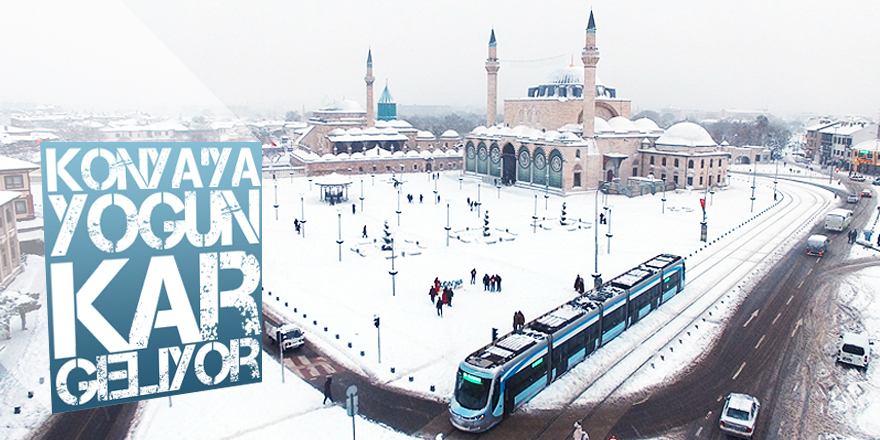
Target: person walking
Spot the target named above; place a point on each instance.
(433, 293)
(440, 307)
(421, 198)
(485, 282)
(327, 390)
(450, 293)
(474, 276)
(497, 282)
(365, 231)
(353, 208)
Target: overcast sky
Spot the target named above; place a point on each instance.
(783, 56)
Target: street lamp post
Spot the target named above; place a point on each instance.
(608, 220)
(535, 216)
(276, 200)
(435, 192)
(498, 185)
(302, 220)
(392, 272)
(310, 183)
(546, 185)
(663, 206)
(754, 178)
(398, 206)
(460, 179)
(373, 179)
(362, 195)
(478, 199)
(447, 223)
(597, 277)
(339, 241)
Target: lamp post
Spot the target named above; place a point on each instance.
(362, 195)
(373, 179)
(339, 240)
(498, 185)
(276, 200)
(535, 216)
(663, 205)
(436, 201)
(478, 199)
(302, 220)
(392, 272)
(310, 183)
(597, 277)
(398, 205)
(546, 184)
(608, 220)
(447, 223)
(460, 179)
(754, 177)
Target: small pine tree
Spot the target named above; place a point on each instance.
(386, 238)
(562, 217)
(486, 225)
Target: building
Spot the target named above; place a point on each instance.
(562, 138)
(16, 177)
(10, 255)
(344, 138)
(830, 140)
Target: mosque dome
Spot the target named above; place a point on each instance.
(422, 134)
(621, 124)
(346, 105)
(568, 82)
(646, 125)
(566, 75)
(686, 134)
(449, 134)
(600, 125)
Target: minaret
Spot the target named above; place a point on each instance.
(492, 67)
(369, 80)
(590, 58)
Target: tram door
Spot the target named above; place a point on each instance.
(560, 363)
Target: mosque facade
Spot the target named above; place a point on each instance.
(560, 138)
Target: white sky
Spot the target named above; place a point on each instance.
(784, 56)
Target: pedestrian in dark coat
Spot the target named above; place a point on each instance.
(450, 294)
(486, 282)
(474, 276)
(492, 283)
(353, 208)
(440, 307)
(421, 197)
(437, 284)
(365, 231)
(433, 293)
(327, 391)
(497, 283)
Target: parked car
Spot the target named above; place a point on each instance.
(857, 178)
(739, 415)
(854, 349)
(852, 198)
(867, 193)
(876, 181)
(291, 336)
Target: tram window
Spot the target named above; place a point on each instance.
(495, 394)
(471, 391)
(592, 334)
(671, 280)
(612, 319)
(529, 375)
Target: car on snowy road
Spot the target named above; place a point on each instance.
(739, 415)
(854, 349)
(857, 178)
(867, 193)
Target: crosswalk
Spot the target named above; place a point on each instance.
(309, 369)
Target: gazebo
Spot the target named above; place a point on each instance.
(334, 188)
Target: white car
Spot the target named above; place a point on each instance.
(854, 349)
(857, 178)
(740, 415)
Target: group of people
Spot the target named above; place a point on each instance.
(852, 235)
(579, 284)
(440, 297)
(409, 198)
(472, 203)
(490, 283)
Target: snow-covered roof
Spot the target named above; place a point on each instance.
(686, 134)
(621, 125)
(646, 125)
(450, 134)
(344, 106)
(11, 164)
(871, 145)
(8, 196)
(601, 126)
(421, 134)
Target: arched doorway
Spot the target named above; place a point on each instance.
(508, 165)
(609, 175)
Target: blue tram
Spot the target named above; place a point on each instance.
(497, 378)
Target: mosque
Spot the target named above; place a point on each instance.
(564, 139)
(558, 137)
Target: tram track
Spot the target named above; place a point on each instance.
(707, 264)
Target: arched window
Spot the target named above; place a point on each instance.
(676, 164)
(663, 161)
(711, 162)
(719, 162)
(702, 163)
(690, 163)
(652, 160)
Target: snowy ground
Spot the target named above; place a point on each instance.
(538, 269)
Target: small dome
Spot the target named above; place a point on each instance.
(551, 135)
(389, 131)
(479, 131)
(449, 134)
(372, 131)
(328, 156)
(646, 125)
(412, 153)
(337, 132)
(381, 124)
(421, 134)
(343, 106)
(601, 126)
(686, 134)
(621, 124)
(357, 155)
(569, 137)
(355, 131)
(399, 123)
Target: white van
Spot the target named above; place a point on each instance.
(854, 349)
(838, 219)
